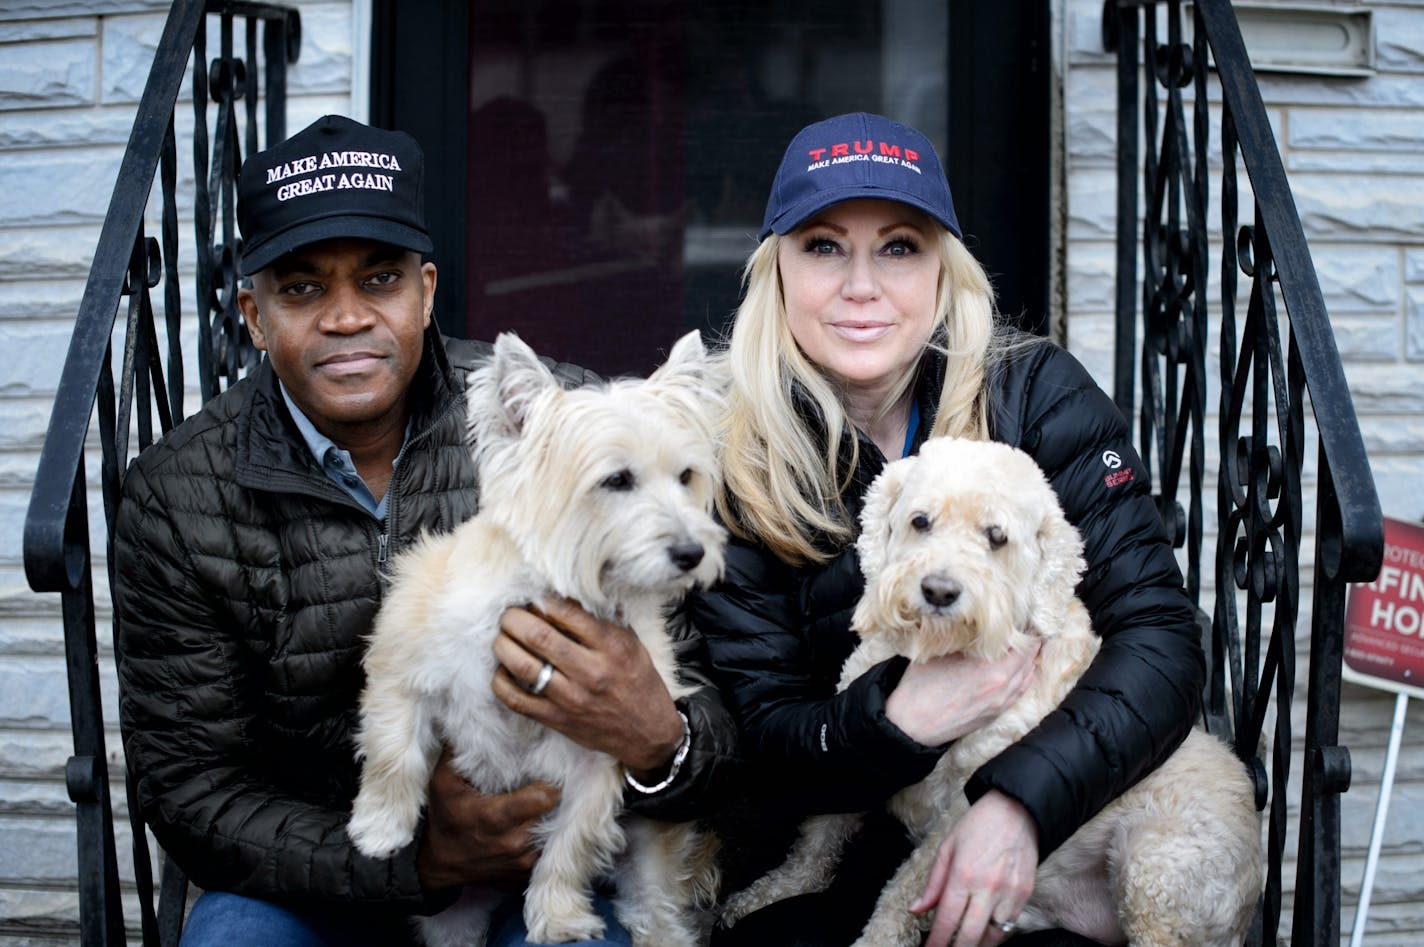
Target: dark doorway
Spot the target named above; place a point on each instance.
(598, 168)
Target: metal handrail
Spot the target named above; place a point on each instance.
(1260, 524)
(1260, 430)
(129, 264)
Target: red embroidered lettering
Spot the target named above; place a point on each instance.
(840, 151)
(869, 146)
(911, 155)
(816, 153)
(1118, 477)
(892, 151)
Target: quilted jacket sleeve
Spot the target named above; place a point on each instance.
(1142, 693)
(187, 706)
(816, 750)
(705, 779)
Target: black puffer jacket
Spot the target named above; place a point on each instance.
(245, 582)
(778, 634)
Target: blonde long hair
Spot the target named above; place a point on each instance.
(783, 472)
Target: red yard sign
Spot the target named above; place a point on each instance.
(1384, 621)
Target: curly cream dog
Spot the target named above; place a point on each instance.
(601, 495)
(965, 549)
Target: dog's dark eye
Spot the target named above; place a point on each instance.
(995, 535)
(685, 477)
(622, 480)
(920, 523)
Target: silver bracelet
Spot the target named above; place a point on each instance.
(677, 760)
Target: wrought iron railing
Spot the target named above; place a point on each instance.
(1265, 368)
(130, 271)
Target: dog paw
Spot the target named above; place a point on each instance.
(377, 835)
(739, 906)
(564, 930)
(665, 937)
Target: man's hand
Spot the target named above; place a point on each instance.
(605, 693)
(473, 838)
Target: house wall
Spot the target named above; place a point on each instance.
(1353, 148)
(70, 77)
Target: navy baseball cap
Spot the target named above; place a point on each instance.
(856, 155)
(334, 178)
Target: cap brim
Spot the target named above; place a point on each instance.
(358, 227)
(797, 214)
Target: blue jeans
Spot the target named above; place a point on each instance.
(220, 919)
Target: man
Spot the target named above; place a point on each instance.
(250, 551)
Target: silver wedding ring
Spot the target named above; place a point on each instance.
(546, 674)
(1008, 927)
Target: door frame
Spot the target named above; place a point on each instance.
(1000, 78)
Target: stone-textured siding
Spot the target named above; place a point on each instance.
(71, 74)
(70, 77)
(1354, 151)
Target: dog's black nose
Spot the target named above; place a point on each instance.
(686, 556)
(939, 591)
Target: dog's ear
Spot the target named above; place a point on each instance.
(1061, 564)
(503, 390)
(687, 355)
(689, 364)
(694, 378)
(876, 525)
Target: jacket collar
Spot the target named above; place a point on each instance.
(929, 380)
(271, 453)
(869, 460)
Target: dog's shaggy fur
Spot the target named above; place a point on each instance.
(966, 550)
(599, 494)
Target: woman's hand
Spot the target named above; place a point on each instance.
(982, 875)
(605, 693)
(942, 699)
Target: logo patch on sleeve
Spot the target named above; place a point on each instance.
(1118, 477)
(1119, 474)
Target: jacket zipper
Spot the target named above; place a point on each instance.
(388, 525)
(383, 539)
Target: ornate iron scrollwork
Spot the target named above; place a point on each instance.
(132, 270)
(1264, 366)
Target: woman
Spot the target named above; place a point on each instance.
(866, 327)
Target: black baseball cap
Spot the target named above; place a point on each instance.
(334, 178)
(851, 156)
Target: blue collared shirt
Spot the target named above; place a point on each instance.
(337, 464)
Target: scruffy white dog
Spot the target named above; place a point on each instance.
(965, 549)
(601, 495)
